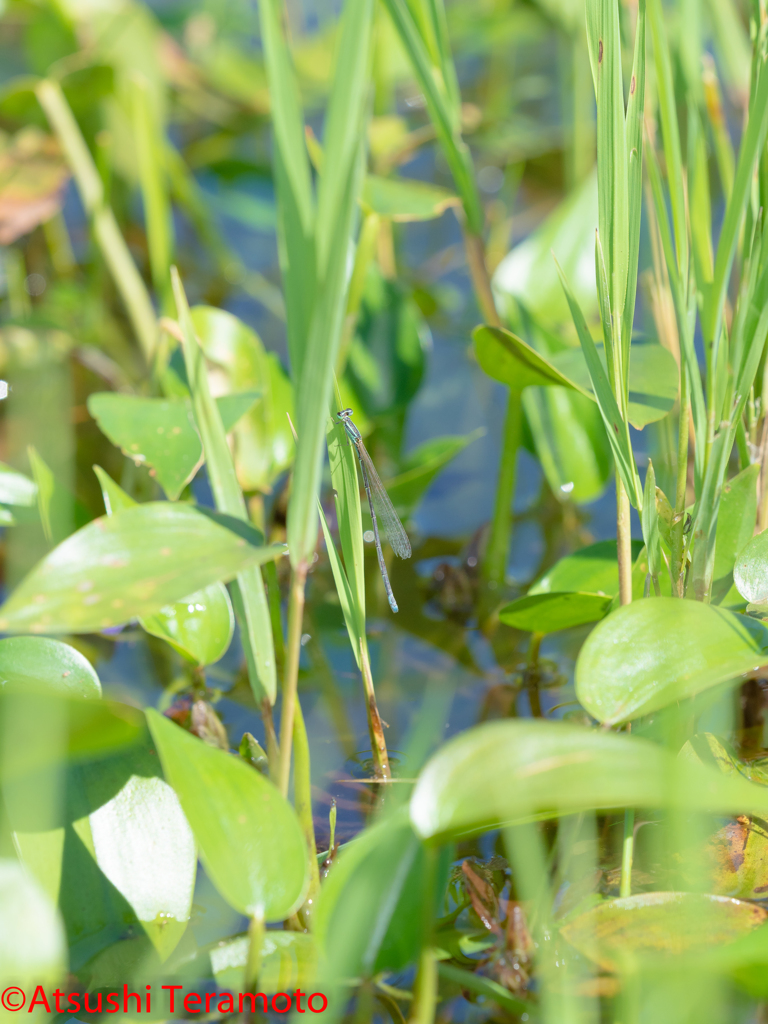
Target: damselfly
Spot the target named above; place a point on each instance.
(381, 507)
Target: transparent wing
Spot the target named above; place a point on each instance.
(388, 519)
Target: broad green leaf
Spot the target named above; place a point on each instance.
(653, 380)
(15, 488)
(125, 565)
(421, 466)
(652, 653)
(404, 199)
(593, 569)
(369, 912)
(33, 947)
(528, 274)
(144, 846)
(750, 573)
(199, 627)
(70, 728)
(620, 933)
(263, 443)
(735, 527)
(250, 838)
(547, 613)
(515, 770)
(569, 441)
(161, 432)
(288, 961)
(507, 358)
(249, 596)
(39, 662)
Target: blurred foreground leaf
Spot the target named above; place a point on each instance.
(125, 565)
(40, 662)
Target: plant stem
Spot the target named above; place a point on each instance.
(623, 542)
(290, 682)
(375, 728)
(424, 989)
(302, 787)
(497, 550)
(481, 280)
(273, 748)
(255, 945)
(682, 482)
(627, 853)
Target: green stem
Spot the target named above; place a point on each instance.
(127, 279)
(682, 482)
(255, 947)
(302, 785)
(481, 280)
(627, 853)
(497, 550)
(624, 542)
(295, 616)
(375, 728)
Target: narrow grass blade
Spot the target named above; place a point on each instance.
(635, 117)
(751, 144)
(346, 486)
(671, 134)
(613, 197)
(650, 523)
(440, 112)
(249, 597)
(293, 180)
(150, 151)
(337, 198)
(616, 428)
(347, 599)
(111, 242)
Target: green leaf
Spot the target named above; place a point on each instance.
(33, 947)
(40, 662)
(615, 427)
(750, 572)
(405, 200)
(421, 466)
(620, 933)
(547, 613)
(735, 527)
(249, 596)
(653, 380)
(515, 770)
(369, 912)
(113, 494)
(200, 627)
(528, 275)
(125, 565)
(264, 445)
(593, 569)
(507, 358)
(15, 488)
(250, 838)
(650, 524)
(635, 129)
(144, 846)
(65, 727)
(60, 511)
(649, 654)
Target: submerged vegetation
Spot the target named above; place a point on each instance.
(525, 243)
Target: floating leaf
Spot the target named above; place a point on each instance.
(650, 653)
(161, 432)
(250, 839)
(750, 573)
(422, 465)
(514, 770)
(125, 565)
(15, 488)
(547, 613)
(144, 846)
(40, 662)
(507, 358)
(653, 380)
(404, 199)
(616, 933)
(593, 569)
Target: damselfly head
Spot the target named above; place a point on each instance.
(344, 414)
